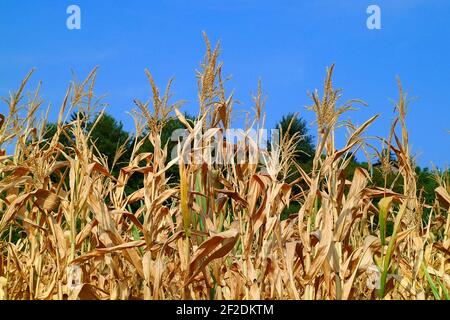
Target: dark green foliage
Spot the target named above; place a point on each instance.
(426, 183)
(109, 134)
(166, 138)
(292, 124)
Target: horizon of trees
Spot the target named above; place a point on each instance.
(109, 134)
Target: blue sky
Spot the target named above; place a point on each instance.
(287, 44)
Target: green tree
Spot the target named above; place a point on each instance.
(168, 129)
(292, 124)
(108, 135)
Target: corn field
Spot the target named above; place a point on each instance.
(216, 232)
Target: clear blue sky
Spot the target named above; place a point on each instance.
(287, 44)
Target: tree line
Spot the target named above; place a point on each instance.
(107, 134)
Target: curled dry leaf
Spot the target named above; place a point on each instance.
(215, 247)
